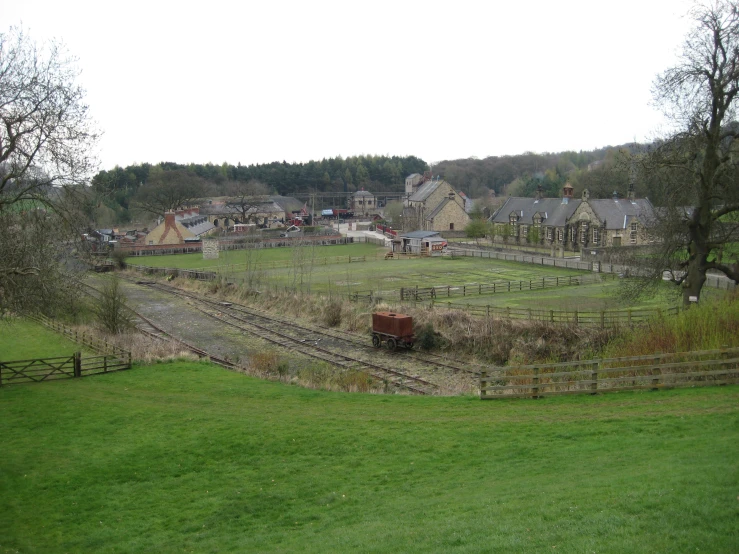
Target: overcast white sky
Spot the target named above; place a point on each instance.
(259, 81)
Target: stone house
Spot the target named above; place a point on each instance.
(523, 220)
(363, 202)
(435, 206)
(611, 222)
(569, 224)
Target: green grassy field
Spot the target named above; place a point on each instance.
(24, 340)
(385, 277)
(186, 457)
(263, 255)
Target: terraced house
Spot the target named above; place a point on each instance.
(567, 224)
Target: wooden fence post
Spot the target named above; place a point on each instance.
(594, 378)
(535, 388)
(483, 384)
(78, 364)
(656, 371)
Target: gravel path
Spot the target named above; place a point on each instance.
(176, 316)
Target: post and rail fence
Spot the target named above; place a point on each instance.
(651, 372)
(111, 358)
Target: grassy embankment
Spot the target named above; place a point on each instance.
(188, 457)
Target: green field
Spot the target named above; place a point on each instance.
(186, 457)
(325, 270)
(24, 340)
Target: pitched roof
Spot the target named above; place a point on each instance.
(197, 224)
(619, 213)
(425, 190)
(363, 193)
(419, 234)
(554, 212)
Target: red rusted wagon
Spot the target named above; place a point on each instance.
(392, 328)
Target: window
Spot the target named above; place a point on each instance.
(549, 233)
(584, 233)
(525, 230)
(559, 235)
(573, 235)
(451, 226)
(632, 235)
(595, 235)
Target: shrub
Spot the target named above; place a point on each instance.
(111, 310)
(426, 338)
(332, 314)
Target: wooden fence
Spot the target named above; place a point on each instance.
(684, 369)
(92, 341)
(63, 367)
(419, 294)
(601, 318)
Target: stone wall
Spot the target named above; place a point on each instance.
(210, 249)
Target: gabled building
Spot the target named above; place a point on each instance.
(611, 222)
(363, 202)
(523, 220)
(435, 206)
(180, 227)
(568, 224)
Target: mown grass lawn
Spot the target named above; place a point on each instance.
(187, 457)
(22, 339)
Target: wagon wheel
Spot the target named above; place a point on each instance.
(376, 341)
(392, 344)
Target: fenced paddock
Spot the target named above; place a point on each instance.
(107, 358)
(419, 294)
(658, 371)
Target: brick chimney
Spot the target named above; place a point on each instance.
(169, 218)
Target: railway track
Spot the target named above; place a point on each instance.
(330, 346)
(149, 328)
(429, 361)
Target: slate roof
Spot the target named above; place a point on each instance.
(419, 234)
(425, 190)
(287, 203)
(363, 193)
(196, 224)
(554, 213)
(619, 213)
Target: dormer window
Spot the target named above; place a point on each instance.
(537, 219)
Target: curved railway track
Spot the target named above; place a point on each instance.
(347, 351)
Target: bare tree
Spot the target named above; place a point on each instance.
(47, 141)
(696, 169)
(245, 197)
(47, 137)
(167, 191)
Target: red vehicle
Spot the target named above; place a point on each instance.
(393, 328)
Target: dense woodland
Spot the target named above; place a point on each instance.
(120, 190)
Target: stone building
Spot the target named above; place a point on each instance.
(568, 224)
(363, 202)
(435, 206)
